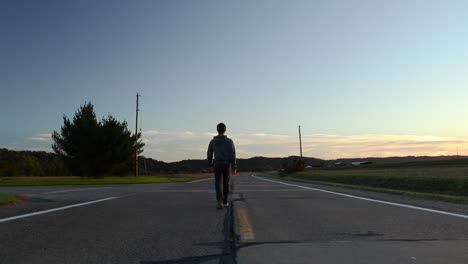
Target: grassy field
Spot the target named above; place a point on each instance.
(6, 198)
(449, 163)
(41, 181)
(445, 179)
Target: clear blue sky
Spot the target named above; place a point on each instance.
(380, 72)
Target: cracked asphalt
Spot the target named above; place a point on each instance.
(267, 222)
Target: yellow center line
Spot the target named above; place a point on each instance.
(243, 227)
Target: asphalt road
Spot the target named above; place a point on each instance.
(268, 222)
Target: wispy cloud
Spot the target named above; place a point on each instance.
(270, 135)
(151, 132)
(177, 145)
(40, 149)
(40, 137)
(336, 146)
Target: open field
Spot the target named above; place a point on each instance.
(447, 163)
(446, 180)
(47, 181)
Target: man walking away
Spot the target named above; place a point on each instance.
(224, 155)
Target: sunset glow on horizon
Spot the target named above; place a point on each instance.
(363, 79)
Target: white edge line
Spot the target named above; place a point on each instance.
(53, 210)
(200, 180)
(370, 200)
(76, 190)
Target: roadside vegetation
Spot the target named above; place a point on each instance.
(31, 163)
(46, 181)
(92, 148)
(7, 198)
(446, 180)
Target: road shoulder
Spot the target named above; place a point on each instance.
(396, 198)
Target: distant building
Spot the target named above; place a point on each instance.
(340, 163)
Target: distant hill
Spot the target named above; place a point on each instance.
(268, 164)
(39, 163)
(151, 166)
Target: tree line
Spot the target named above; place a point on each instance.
(18, 163)
(31, 163)
(88, 147)
(84, 146)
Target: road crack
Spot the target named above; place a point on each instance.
(229, 254)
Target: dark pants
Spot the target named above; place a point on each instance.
(222, 171)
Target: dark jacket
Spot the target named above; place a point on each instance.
(224, 151)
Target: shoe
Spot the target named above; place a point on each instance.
(220, 205)
(226, 204)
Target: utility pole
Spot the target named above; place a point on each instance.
(300, 141)
(136, 136)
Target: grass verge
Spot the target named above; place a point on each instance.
(86, 181)
(7, 198)
(418, 194)
(447, 181)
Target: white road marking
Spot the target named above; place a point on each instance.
(369, 199)
(53, 210)
(258, 185)
(270, 190)
(181, 191)
(76, 190)
(237, 190)
(200, 180)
